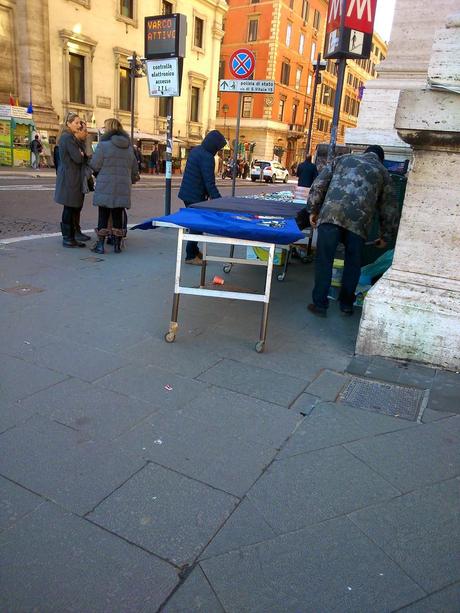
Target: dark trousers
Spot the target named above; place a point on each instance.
(329, 236)
(104, 215)
(191, 248)
(68, 213)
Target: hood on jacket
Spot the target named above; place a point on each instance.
(119, 139)
(214, 142)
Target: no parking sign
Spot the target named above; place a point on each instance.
(242, 63)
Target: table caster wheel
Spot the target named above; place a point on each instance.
(281, 276)
(227, 268)
(260, 345)
(170, 337)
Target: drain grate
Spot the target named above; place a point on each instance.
(92, 259)
(395, 400)
(22, 290)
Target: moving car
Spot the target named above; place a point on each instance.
(272, 171)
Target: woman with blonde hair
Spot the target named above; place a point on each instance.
(116, 166)
(68, 191)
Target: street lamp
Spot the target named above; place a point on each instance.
(136, 71)
(318, 65)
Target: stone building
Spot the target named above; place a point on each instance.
(73, 55)
(413, 110)
(286, 37)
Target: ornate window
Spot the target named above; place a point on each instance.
(127, 12)
(78, 51)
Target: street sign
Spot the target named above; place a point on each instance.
(165, 36)
(242, 63)
(249, 87)
(163, 77)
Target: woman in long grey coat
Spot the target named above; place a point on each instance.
(116, 166)
(69, 190)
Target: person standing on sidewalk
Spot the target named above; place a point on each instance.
(87, 180)
(199, 182)
(68, 190)
(154, 160)
(342, 202)
(117, 169)
(36, 148)
(306, 172)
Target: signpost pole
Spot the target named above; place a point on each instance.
(169, 142)
(342, 64)
(132, 74)
(236, 143)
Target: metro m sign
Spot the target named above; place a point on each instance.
(360, 15)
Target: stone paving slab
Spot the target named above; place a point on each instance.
(332, 424)
(19, 379)
(329, 567)
(60, 562)
(245, 418)
(420, 531)
(96, 412)
(195, 595)
(15, 502)
(151, 384)
(257, 382)
(444, 601)
(246, 526)
(177, 358)
(445, 392)
(312, 487)
(200, 451)
(166, 513)
(60, 464)
(304, 404)
(327, 385)
(414, 457)
(69, 358)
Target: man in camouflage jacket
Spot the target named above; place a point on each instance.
(342, 203)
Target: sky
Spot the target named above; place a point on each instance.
(384, 18)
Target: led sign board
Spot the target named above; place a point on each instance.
(165, 36)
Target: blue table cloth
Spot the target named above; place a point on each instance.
(272, 229)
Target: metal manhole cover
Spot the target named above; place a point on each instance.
(395, 400)
(92, 258)
(22, 290)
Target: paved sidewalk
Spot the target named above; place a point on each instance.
(138, 475)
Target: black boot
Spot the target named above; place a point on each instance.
(68, 236)
(79, 236)
(99, 246)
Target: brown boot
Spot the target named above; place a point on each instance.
(117, 240)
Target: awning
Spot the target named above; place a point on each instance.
(23, 121)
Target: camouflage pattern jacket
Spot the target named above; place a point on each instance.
(350, 191)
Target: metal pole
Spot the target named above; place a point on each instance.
(237, 142)
(132, 74)
(313, 103)
(169, 144)
(342, 64)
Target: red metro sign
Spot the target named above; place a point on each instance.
(359, 15)
(349, 28)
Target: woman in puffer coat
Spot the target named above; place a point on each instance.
(117, 169)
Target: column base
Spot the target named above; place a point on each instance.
(412, 316)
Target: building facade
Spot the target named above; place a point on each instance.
(73, 55)
(286, 37)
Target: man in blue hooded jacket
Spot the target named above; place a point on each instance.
(199, 182)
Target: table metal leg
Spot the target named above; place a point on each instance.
(227, 268)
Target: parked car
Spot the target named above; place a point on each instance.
(271, 171)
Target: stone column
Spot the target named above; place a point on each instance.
(33, 57)
(405, 67)
(413, 312)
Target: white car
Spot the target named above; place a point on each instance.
(272, 171)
